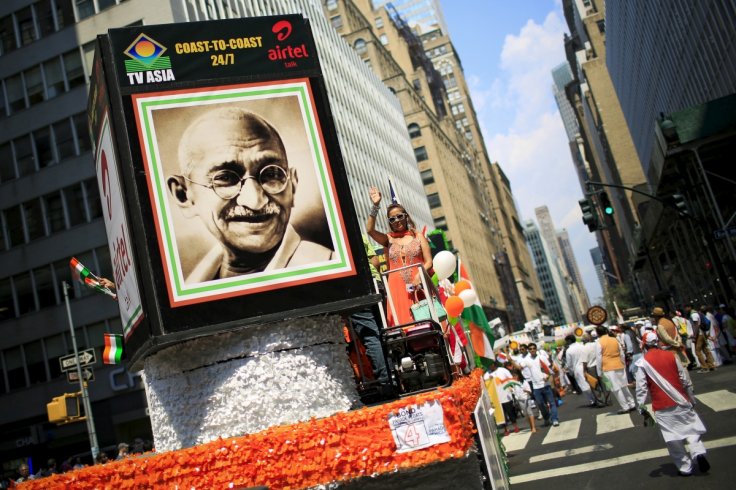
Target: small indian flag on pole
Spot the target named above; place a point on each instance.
(86, 277)
(113, 349)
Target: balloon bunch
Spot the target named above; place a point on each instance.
(464, 295)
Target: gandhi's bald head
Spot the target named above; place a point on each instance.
(240, 125)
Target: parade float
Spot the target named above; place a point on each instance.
(247, 378)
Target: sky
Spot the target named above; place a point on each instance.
(508, 50)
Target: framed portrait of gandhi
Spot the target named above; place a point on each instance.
(241, 189)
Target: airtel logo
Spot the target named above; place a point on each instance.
(282, 29)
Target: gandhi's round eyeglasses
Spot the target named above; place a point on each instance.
(397, 217)
(227, 184)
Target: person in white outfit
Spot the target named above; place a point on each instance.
(663, 377)
(574, 358)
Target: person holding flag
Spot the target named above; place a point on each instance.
(87, 278)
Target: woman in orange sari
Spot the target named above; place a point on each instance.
(402, 246)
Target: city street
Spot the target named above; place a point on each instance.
(594, 448)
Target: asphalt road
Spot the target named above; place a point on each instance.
(597, 449)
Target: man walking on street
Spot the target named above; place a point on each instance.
(662, 376)
(611, 364)
(700, 329)
(540, 372)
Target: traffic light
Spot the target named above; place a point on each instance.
(64, 408)
(605, 204)
(590, 217)
(678, 200)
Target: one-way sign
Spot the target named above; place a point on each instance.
(86, 358)
(87, 374)
(722, 233)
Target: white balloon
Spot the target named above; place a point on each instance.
(468, 296)
(444, 264)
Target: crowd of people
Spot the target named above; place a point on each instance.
(124, 450)
(632, 355)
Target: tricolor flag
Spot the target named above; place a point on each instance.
(86, 277)
(113, 349)
(476, 323)
(501, 357)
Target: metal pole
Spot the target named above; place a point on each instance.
(95, 448)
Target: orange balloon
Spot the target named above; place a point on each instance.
(461, 286)
(454, 306)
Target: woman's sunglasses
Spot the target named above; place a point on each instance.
(397, 217)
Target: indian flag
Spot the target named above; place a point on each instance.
(476, 323)
(86, 277)
(113, 349)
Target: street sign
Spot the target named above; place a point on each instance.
(87, 373)
(86, 358)
(724, 232)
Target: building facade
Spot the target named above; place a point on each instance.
(50, 208)
(550, 280)
(666, 56)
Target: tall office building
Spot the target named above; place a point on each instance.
(666, 56)
(600, 268)
(553, 289)
(571, 264)
(573, 291)
(50, 208)
(562, 76)
(606, 142)
(422, 15)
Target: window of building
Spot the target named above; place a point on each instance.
(331, 4)
(24, 293)
(434, 200)
(96, 334)
(441, 223)
(421, 154)
(7, 34)
(14, 226)
(24, 159)
(360, 46)
(417, 85)
(74, 69)
(26, 26)
(427, 177)
(42, 143)
(103, 260)
(54, 211)
(54, 77)
(88, 51)
(414, 130)
(34, 219)
(64, 13)
(85, 8)
(94, 204)
(16, 94)
(64, 139)
(601, 26)
(14, 368)
(7, 165)
(44, 17)
(55, 348)
(384, 39)
(45, 290)
(82, 130)
(74, 198)
(7, 307)
(35, 362)
(457, 108)
(379, 22)
(336, 22)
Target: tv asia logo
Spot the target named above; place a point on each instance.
(288, 54)
(146, 63)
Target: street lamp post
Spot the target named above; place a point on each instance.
(94, 446)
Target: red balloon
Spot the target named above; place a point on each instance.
(461, 286)
(454, 306)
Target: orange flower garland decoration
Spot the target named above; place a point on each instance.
(338, 448)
